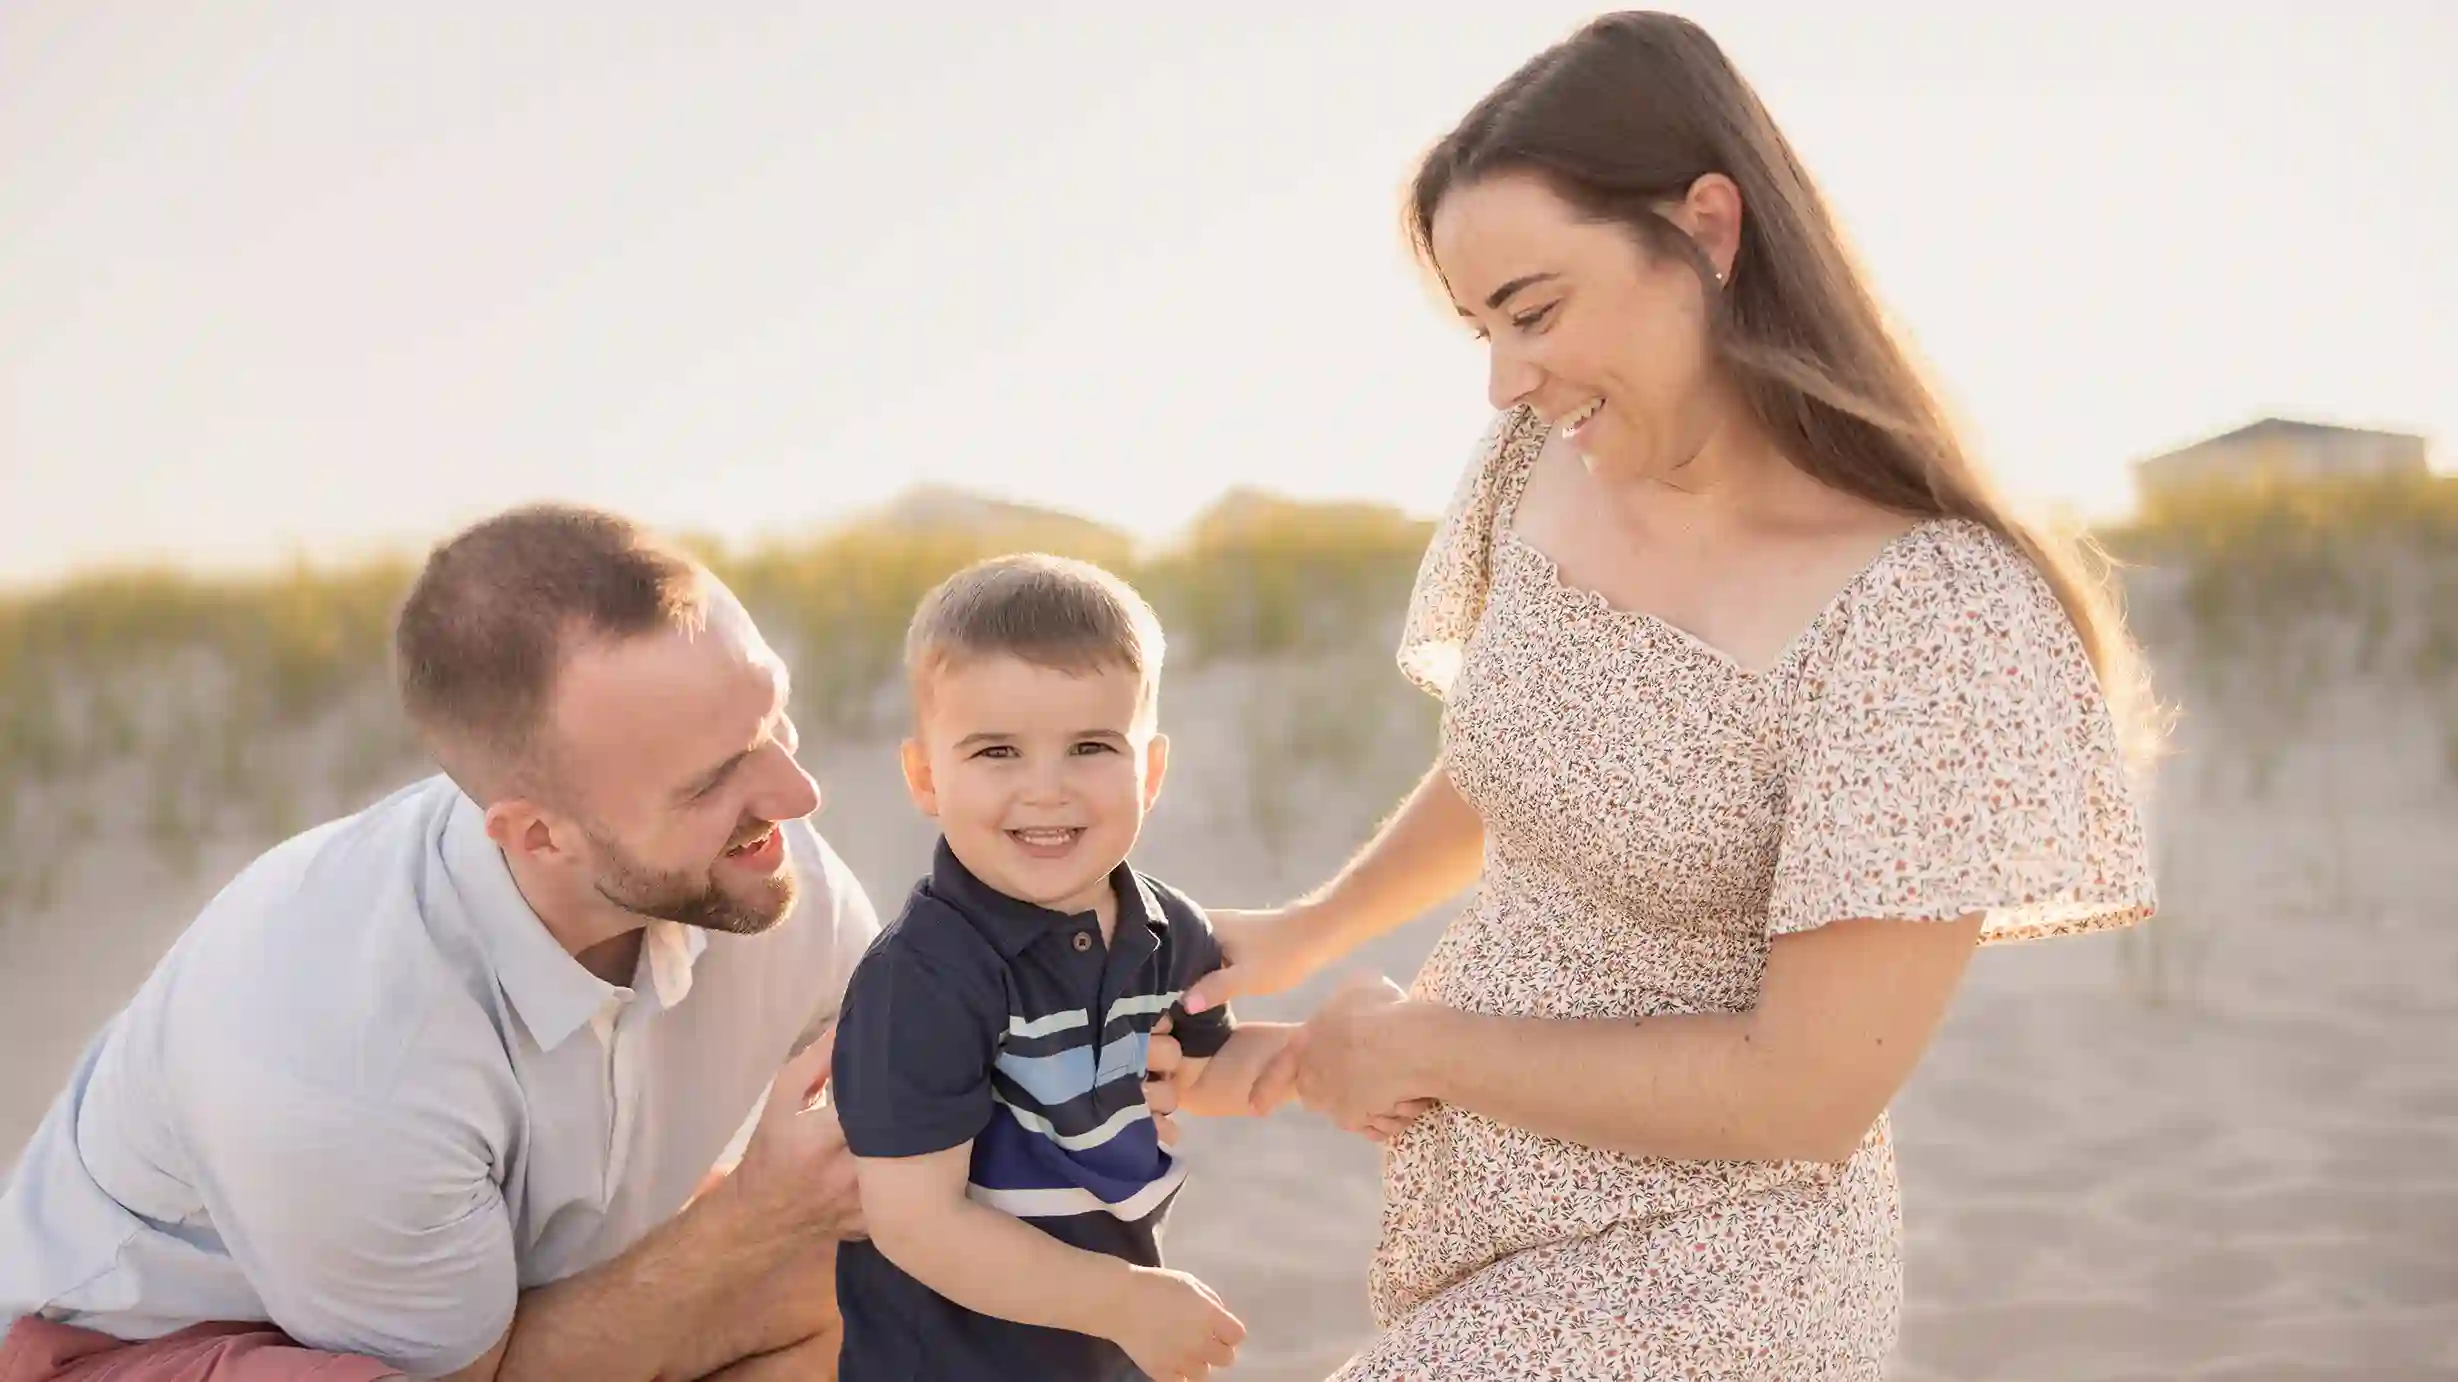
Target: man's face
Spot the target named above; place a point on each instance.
(675, 759)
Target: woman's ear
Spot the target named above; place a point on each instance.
(918, 781)
(1710, 214)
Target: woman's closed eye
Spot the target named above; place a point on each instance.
(1532, 321)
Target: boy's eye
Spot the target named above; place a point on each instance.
(1094, 746)
(997, 751)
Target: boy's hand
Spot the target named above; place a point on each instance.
(1174, 1328)
(1162, 1064)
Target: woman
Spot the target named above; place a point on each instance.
(1760, 712)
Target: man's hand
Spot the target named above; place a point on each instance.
(1174, 1328)
(796, 1169)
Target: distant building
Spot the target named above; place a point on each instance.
(2276, 449)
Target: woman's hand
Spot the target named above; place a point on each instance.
(1349, 1062)
(1267, 951)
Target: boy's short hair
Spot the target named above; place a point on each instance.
(1050, 611)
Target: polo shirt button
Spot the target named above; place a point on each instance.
(1083, 941)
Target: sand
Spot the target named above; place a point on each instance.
(2251, 1173)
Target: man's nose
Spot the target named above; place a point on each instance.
(795, 793)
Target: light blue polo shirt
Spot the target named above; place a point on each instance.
(367, 1097)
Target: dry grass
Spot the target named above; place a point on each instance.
(201, 678)
(2277, 592)
(2254, 602)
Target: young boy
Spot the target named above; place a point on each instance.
(989, 1065)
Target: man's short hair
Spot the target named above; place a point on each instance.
(1050, 611)
(485, 630)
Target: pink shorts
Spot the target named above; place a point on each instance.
(37, 1350)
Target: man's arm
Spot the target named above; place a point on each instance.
(625, 1318)
(662, 1308)
(667, 1307)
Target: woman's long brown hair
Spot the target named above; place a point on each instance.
(1619, 120)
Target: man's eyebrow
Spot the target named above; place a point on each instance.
(708, 780)
(1502, 294)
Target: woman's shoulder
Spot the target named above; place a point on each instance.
(1946, 575)
(1948, 600)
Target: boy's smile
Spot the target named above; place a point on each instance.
(1039, 777)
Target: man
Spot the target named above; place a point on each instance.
(436, 1090)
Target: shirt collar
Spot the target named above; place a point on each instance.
(1012, 924)
(554, 994)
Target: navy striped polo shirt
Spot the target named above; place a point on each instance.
(977, 1017)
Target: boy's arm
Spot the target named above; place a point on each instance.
(1224, 1084)
(987, 1262)
(992, 1264)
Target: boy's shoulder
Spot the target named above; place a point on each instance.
(1177, 909)
(931, 929)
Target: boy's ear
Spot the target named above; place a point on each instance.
(1156, 767)
(918, 783)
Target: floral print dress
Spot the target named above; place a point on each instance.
(1933, 745)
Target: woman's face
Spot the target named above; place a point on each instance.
(1608, 343)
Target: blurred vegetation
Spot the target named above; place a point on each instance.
(2282, 590)
(2264, 604)
(197, 678)
(171, 688)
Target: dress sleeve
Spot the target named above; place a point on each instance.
(1959, 758)
(1455, 572)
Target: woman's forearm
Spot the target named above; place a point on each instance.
(1427, 852)
(1843, 1015)
(1692, 1087)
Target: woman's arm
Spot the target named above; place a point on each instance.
(1844, 1013)
(1429, 850)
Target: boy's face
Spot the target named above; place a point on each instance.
(1039, 778)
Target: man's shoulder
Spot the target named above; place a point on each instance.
(316, 966)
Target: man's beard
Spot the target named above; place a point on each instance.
(679, 895)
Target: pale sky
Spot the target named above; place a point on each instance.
(283, 276)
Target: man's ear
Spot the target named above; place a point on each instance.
(918, 782)
(1156, 767)
(520, 830)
